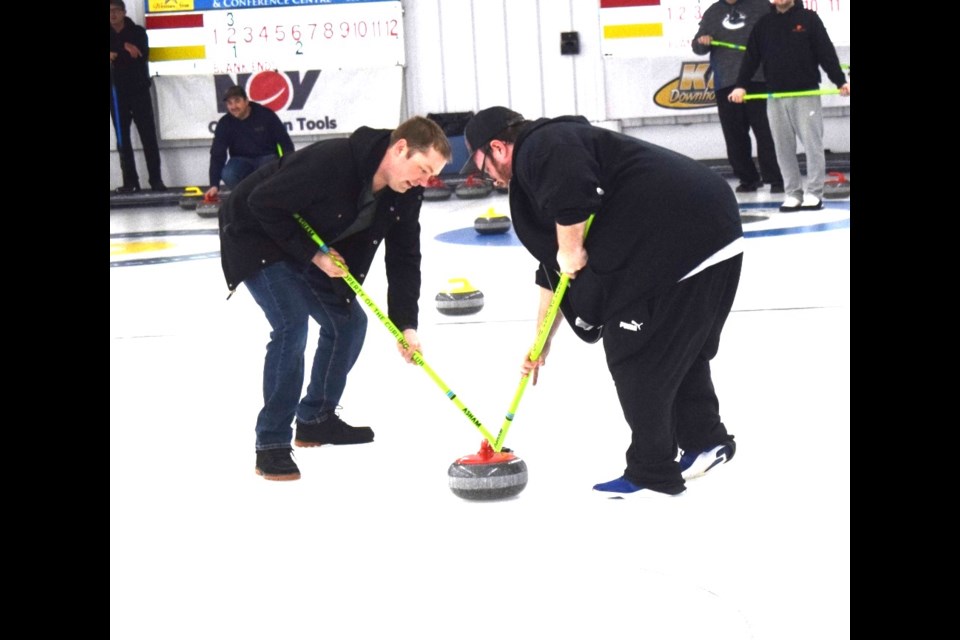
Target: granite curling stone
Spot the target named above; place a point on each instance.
(460, 301)
(210, 207)
(836, 186)
(437, 189)
(491, 222)
(190, 198)
(473, 187)
(488, 475)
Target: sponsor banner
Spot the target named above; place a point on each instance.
(661, 86)
(309, 102)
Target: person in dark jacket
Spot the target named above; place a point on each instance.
(251, 133)
(730, 22)
(356, 193)
(655, 278)
(792, 45)
(130, 99)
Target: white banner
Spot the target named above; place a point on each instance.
(665, 85)
(309, 102)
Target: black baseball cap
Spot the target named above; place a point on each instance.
(484, 127)
(235, 92)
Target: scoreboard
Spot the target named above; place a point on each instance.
(206, 37)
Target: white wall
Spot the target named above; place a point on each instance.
(464, 55)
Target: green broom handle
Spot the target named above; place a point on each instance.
(537, 347)
(790, 94)
(394, 331)
(729, 45)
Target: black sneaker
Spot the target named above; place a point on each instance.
(128, 188)
(158, 186)
(333, 430)
(277, 464)
(746, 187)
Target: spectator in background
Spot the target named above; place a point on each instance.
(730, 22)
(252, 134)
(792, 45)
(130, 99)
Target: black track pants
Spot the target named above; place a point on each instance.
(659, 351)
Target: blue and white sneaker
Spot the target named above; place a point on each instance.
(696, 463)
(621, 489)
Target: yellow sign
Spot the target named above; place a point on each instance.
(155, 6)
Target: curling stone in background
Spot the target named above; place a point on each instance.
(473, 187)
(491, 222)
(836, 186)
(190, 198)
(460, 301)
(487, 474)
(210, 207)
(437, 189)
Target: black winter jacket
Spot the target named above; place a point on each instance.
(792, 47)
(323, 183)
(729, 23)
(659, 214)
(129, 75)
(256, 135)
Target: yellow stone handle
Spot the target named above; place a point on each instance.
(465, 286)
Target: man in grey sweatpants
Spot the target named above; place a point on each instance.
(792, 45)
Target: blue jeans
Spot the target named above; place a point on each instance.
(288, 299)
(238, 168)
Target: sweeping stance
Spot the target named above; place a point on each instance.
(655, 278)
(356, 193)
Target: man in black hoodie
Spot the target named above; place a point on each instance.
(356, 193)
(730, 22)
(251, 134)
(792, 45)
(655, 277)
(130, 99)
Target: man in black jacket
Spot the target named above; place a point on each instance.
(356, 193)
(792, 45)
(655, 277)
(730, 22)
(130, 99)
(252, 134)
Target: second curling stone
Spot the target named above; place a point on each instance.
(491, 222)
(462, 300)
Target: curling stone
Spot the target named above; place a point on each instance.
(491, 222)
(460, 301)
(748, 218)
(473, 187)
(437, 189)
(837, 186)
(210, 207)
(488, 475)
(190, 198)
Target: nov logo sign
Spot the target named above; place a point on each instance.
(276, 90)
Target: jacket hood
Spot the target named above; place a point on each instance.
(369, 146)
